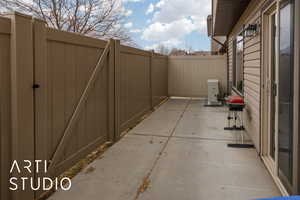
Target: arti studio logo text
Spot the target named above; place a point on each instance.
(32, 169)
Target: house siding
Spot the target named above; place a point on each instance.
(251, 70)
(254, 87)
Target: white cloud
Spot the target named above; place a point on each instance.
(169, 44)
(128, 25)
(150, 9)
(166, 31)
(135, 30)
(151, 47)
(176, 9)
(174, 19)
(127, 13)
(172, 42)
(160, 4)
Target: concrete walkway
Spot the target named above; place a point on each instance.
(179, 152)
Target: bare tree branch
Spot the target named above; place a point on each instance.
(96, 18)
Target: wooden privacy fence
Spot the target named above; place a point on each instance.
(188, 75)
(63, 95)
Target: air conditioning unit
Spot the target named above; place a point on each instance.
(213, 92)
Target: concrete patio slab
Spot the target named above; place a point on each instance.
(163, 120)
(195, 169)
(175, 104)
(191, 161)
(161, 114)
(199, 106)
(159, 127)
(207, 125)
(118, 174)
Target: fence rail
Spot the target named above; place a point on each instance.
(64, 94)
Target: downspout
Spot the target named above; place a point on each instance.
(227, 72)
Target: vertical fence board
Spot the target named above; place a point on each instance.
(159, 79)
(117, 91)
(151, 79)
(71, 96)
(41, 131)
(22, 96)
(135, 85)
(111, 91)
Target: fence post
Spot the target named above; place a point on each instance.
(117, 90)
(22, 100)
(5, 111)
(111, 91)
(151, 80)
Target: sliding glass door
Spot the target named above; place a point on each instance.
(285, 93)
(273, 76)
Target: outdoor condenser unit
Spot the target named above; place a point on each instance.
(213, 92)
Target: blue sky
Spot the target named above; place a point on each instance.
(173, 23)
